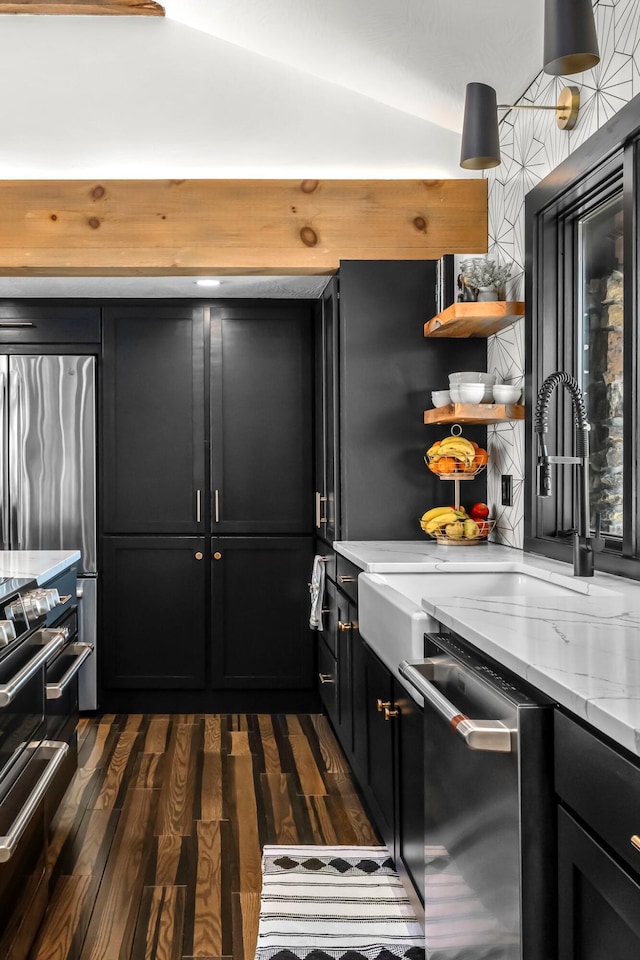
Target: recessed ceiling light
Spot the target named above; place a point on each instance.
(208, 283)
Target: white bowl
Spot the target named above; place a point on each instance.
(454, 392)
(471, 392)
(506, 393)
(440, 398)
(472, 376)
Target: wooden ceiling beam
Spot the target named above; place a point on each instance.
(109, 8)
(182, 227)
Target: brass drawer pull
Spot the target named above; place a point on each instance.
(385, 706)
(635, 840)
(326, 678)
(346, 579)
(342, 627)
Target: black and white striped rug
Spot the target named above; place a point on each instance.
(335, 903)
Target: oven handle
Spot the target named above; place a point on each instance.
(81, 652)
(10, 690)
(58, 751)
(487, 735)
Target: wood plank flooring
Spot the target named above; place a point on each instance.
(156, 848)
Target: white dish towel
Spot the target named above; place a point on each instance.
(316, 589)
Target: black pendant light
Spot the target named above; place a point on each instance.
(480, 139)
(570, 41)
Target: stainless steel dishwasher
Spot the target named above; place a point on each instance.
(489, 874)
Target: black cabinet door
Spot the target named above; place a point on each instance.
(153, 419)
(260, 632)
(261, 419)
(327, 406)
(328, 680)
(347, 616)
(359, 719)
(598, 901)
(380, 748)
(153, 613)
(410, 787)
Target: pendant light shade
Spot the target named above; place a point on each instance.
(570, 41)
(480, 140)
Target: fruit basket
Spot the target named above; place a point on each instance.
(451, 527)
(455, 457)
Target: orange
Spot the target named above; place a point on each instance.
(482, 457)
(447, 465)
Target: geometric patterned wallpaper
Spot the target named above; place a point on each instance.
(531, 146)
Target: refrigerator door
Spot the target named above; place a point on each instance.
(4, 458)
(52, 459)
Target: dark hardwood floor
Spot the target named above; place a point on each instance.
(156, 848)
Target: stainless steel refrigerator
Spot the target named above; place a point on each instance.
(48, 470)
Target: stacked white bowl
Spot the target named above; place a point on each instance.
(464, 385)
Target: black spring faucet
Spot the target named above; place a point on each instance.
(583, 544)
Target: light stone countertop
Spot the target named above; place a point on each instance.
(581, 650)
(39, 565)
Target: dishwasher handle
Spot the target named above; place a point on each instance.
(488, 735)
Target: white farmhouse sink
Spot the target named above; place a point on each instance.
(390, 616)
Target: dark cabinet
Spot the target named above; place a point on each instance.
(327, 505)
(207, 427)
(261, 419)
(598, 901)
(409, 779)
(380, 718)
(259, 616)
(598, 846)
(153, 419)
(153, 606)
(379, 726)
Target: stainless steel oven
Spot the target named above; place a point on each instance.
(29, 763)
(489, 889)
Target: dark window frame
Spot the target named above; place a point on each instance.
(606, 165)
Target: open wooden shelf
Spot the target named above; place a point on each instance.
(475, 413)
(474, 319)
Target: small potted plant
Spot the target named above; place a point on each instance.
(486, 277)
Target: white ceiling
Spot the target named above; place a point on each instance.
(244, 88)
(413, 55)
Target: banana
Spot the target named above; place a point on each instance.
(441, 520)
(457, 441)
(434, 512)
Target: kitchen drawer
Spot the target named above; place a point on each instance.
(347, 577)
(600, 785)
(329, 630)
(328, 681)
(26, 323)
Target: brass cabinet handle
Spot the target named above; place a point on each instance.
(344, 626)
(326, 678)
(319, 501)
(217, 555)
(198, 506)
(346, 579)
(216, 505)
(198, 555)
(385, 706)
(635, 840)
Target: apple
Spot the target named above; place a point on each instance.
(483, 528)
(479, 511)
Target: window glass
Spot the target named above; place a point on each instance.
(601, 357)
